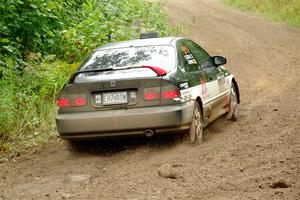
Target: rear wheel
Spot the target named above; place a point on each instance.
(233, 112)
(196, 129)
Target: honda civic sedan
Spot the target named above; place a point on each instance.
(146, 87)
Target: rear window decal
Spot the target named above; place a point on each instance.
(188, 55)
(185, 50)
(191, 62)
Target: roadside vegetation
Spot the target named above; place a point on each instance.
(287, 11)
(42, 42)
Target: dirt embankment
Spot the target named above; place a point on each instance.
(257, 157)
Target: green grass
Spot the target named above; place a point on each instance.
(28, 102)
(287, 11)
(31, 77)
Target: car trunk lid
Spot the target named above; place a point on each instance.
(111, 89)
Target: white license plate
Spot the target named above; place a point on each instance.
(110, 98)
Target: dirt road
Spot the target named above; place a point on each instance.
(257, 157)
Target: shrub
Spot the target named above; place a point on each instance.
(106, 21)
(37, 40)
(27, 106)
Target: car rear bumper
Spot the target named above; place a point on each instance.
(162, 119)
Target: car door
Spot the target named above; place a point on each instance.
(212, 81)
(209, 72)
(190, 61)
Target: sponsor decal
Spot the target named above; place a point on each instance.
(191, 62)
(188, 55)
(184, 85)
(185, 50)
(185, 94)
(204, 89)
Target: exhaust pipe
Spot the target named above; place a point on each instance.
(149, 132)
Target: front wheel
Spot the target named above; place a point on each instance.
(196, 129)
(233, 111)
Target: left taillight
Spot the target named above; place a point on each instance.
(66, 102)
(63, 102)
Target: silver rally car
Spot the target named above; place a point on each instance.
(146, 86)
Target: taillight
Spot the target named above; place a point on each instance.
(152, 93)
(80, 102)
(63, 102)
(170, 94)
(151, 96)
(71, 102)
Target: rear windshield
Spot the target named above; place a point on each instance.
(159, 56)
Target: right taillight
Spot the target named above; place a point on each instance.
(170, 94)
(156, 93)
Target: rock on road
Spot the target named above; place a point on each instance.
(257, 157)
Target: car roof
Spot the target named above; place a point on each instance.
(141, 42)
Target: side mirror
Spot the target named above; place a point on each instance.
(219, 60)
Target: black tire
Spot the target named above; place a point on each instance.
(196, 129)
(233, 112)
